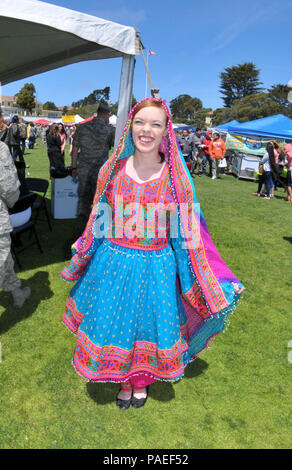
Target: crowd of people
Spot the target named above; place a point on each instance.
(201, 150)
(88, 153)
(275, 171)
(18, 134)
(210, 149)
(89, 149)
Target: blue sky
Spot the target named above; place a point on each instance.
(195, 41)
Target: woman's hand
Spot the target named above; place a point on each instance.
(237, 290)
(74, 247)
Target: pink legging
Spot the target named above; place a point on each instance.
(139, 381)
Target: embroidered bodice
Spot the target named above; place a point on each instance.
(140, 211)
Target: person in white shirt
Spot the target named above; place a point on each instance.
(271, 170)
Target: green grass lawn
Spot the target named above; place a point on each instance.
(236, 395)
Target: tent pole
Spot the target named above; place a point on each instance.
(125, 93)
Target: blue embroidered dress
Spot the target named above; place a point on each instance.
(125, 309)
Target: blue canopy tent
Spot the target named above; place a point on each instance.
(276, 127)
(182, 128)
(249, 140)
(225, 127)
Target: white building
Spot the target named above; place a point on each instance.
(10, 107)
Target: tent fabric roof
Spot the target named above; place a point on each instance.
(36, 37)
(227, 124)
(278, 126)
(78, 119)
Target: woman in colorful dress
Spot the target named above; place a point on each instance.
(152, 289)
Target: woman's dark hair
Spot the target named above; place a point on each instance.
(54, 130)
(15, 119)
(274, 167)
(270, 148)
(63, 128)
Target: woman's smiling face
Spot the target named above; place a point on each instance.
(148, 128)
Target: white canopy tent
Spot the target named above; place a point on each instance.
(36, 37)
(113, 120)
(78, 119)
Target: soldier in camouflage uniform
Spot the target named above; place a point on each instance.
(91, 144)
(9, 193)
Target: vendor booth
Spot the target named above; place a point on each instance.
(245, 166)
(247, 142)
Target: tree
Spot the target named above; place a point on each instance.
(65, 111)
(93, 98)
(72, 112)
(177, 106)
(26, 97)
(239, 81)
(134, 101)
(192, 106)
(50, 105)
(116, 105)
(254, 107)
(221, 116)
(279, 93)
(250, 107)
(200, 118)
(184, 107)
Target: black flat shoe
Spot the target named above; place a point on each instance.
(139, 402)
(123, 404)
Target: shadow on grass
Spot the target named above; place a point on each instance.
(276, 196)
(103, 393)
(195, 368)
(288, 239)
(56, 245)
(40, 290)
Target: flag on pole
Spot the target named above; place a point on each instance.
(152, 53)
